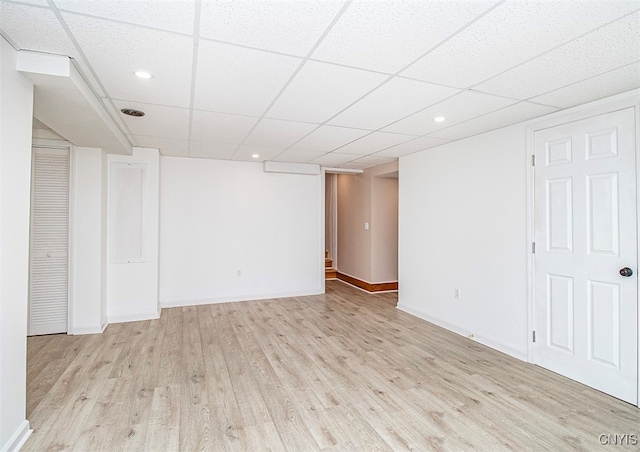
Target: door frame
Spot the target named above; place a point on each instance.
(45, 143)
(596, 108)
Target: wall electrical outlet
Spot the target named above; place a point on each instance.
(456, 293)
(239, 273)
(366, 226)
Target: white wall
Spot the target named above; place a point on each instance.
(87, 260)
(354, 241)
(16, 102)
(370, 255)
(221, 217)
(104, 227)
(462, 216)
(384, 229)
(132, 287)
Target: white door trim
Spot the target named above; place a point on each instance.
(619, 102)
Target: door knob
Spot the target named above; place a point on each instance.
(626, 272)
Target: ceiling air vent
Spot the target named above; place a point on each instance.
(132, 112)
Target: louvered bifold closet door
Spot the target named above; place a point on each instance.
(48, 296)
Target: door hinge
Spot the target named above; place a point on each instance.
(534, 336)
(533, 247)
(533, 160)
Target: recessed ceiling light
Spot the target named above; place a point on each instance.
(143, 74)
(255, 156)
(438, 118)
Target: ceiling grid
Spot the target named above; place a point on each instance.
(349, 84)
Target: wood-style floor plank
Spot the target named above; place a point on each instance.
(340, 371)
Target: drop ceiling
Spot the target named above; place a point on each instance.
(347, 84)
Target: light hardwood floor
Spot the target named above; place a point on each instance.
(341, 371)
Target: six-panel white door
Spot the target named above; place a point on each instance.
(585, 232)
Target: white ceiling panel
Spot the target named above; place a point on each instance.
(158, 121)
(321, 90)
(458, 108)
(278, 134)
(116, 51)
(167, 146)
(387, 35)
(608, 84)
(511, 34)
(328, 138)
(246, 153)
(368, 161)
(258, 84)
(220, 127)
(282, 26)
(612, 46)
(296, 156)
(334, 159)
(373, 142)
(233, 79)
(30, 2)
(395, 99)
(174, 15)
(211, 150)
(501, 118)
(409, 147)
(33, 28)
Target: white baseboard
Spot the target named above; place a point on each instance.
(18, 439)
(134, 317)
(231, 299)
(80, 330)
(484, 340)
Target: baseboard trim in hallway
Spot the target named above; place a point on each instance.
(367, 286)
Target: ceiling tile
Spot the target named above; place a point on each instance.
(296, 156)
(220, 127)
(278, 134)
(395, 99)
(246, 153)
(174, 15)
(612, 46)
(31, 2)
(159, 121)
(374, 142)
(321, 90)
(458, 108)
(165, 55)
(288, 27)
(409, 147)
(39, 29)
(33, 28)
(501, 118)
(167, 146)
(334, 159)
(328, 138)
(370, 161)
(233, 79)
(618, 81)
(387, 35)
(511, 34)
(211, 150)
